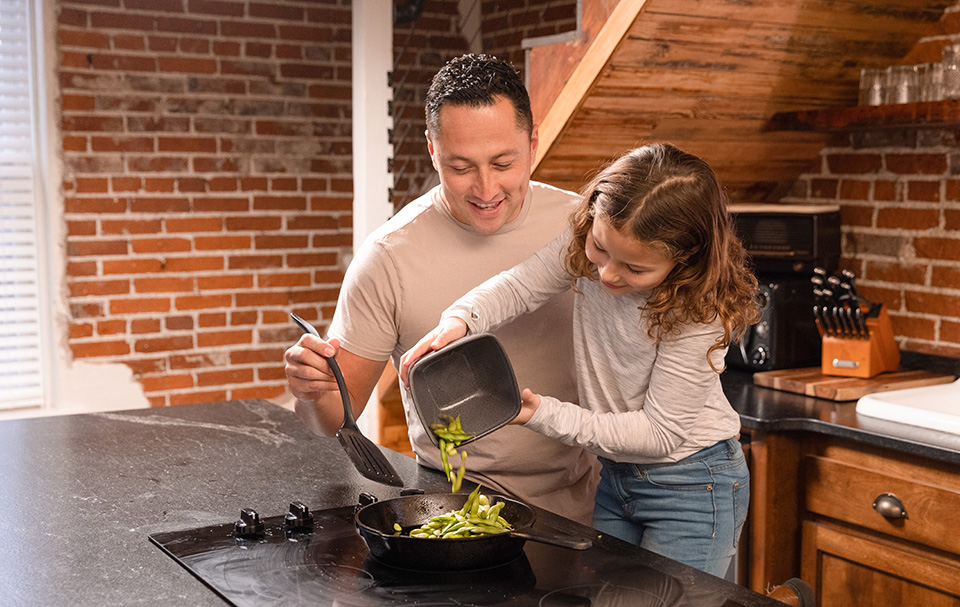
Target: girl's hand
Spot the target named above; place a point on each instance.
(529, 402)
(449, 329)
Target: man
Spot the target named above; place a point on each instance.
(484, 217)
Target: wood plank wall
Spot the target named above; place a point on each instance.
(707, 76)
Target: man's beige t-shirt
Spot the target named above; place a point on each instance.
(419, 262)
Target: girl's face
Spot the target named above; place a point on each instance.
(625, 264)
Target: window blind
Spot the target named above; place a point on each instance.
(21, 372)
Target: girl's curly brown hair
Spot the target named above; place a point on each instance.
(672, 200)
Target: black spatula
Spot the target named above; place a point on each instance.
(364, 454)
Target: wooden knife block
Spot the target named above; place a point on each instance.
(856, 357)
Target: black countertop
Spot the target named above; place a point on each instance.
(80, 494)
(769, 410)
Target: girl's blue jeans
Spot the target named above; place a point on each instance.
(691, 511)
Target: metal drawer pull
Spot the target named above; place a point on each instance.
(889, 506)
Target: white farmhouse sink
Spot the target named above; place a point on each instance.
(933, 407)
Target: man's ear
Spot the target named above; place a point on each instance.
(534, 142)
(433, 159)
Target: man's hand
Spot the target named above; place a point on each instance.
(308, 374)
(449, 330)
(319, 405)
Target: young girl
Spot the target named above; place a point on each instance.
(661, 287)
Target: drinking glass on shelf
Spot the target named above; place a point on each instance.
(871, 86)
(901, 84)
(930, 76)
(951, 71)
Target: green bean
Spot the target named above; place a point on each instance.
(461, 472)
(476, 517)
(443, 458)
(449, 437)
(470, 499)
(494, 511)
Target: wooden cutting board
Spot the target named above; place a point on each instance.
(811, 382)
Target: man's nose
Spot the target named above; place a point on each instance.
(486, 185)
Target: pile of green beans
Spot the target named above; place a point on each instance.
(450, 436)
(477, 517)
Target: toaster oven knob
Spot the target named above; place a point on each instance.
(249, 525)
(759, 357)
(298, 518)
(763, 300)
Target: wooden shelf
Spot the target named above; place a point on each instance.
(920, 114)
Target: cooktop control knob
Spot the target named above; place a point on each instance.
(249, 525)
(298, 518)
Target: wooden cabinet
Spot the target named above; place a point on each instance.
(844, 482)
(844, 534)
(850, 568)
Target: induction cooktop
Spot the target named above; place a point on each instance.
(322, 560)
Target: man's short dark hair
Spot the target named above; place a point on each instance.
(477, 81)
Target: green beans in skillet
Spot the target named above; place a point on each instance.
(477, 517)
(450, 436)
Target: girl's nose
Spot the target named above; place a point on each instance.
(607, 274)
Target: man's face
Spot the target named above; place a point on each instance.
(483, 159)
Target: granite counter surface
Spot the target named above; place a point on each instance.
(80, 494)
(769, 410)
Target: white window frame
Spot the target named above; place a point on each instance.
(36, 327)
(69, 386)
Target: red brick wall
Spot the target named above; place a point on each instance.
(506, 24)
(206, 182)
(899, 196)
(420, 49)
(207, 177)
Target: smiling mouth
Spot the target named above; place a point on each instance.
(610, 286)
(487, 207)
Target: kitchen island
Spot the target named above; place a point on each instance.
(80, 495)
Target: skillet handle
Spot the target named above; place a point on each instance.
(563, 541)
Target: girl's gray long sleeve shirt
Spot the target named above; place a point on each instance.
(640, 402)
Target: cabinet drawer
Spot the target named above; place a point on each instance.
(853, 568)
(846, 491)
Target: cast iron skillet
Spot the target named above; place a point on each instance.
(375, 522)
